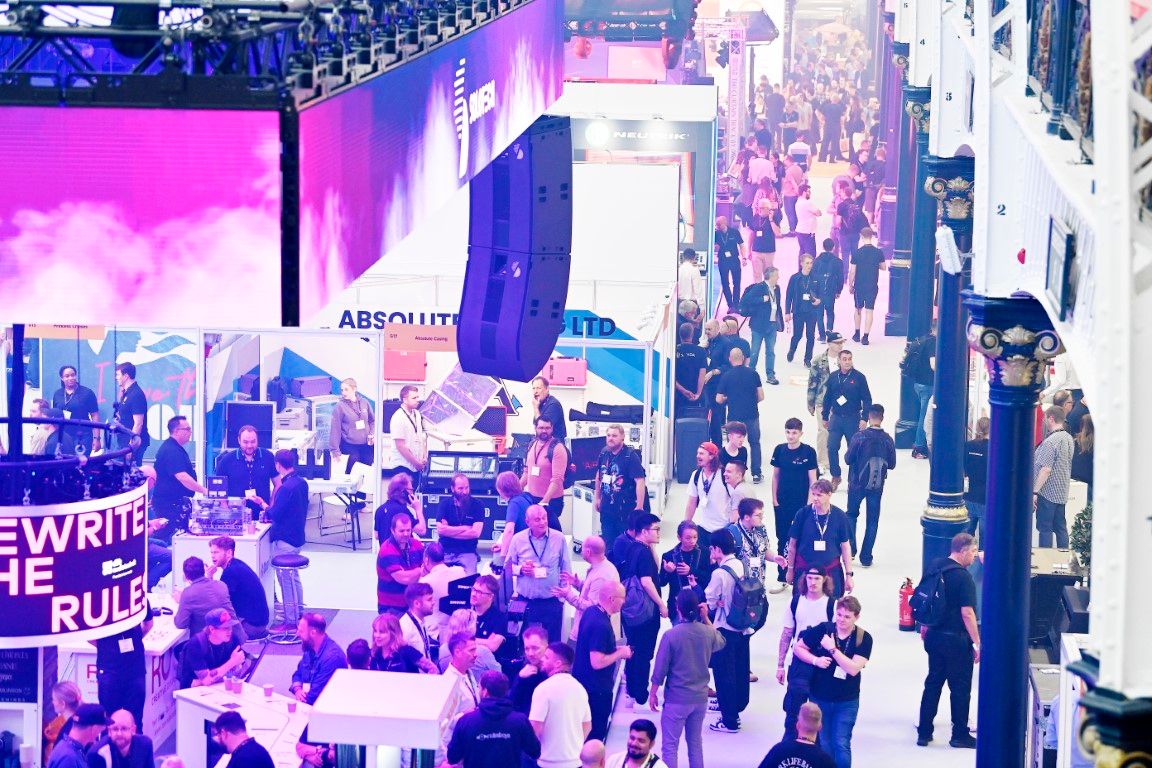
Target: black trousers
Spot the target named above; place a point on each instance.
(840, 429)
(729, 271)
(756, 454)
(548, 612)
(122, 691)
(730, 667)
(826, 316)
(784, 515)
(950, 660)
(871, 500)
(356, 452)
(600, 702)
(637, 670)
(803, 324)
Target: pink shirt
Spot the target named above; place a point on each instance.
(541, 471)
(793, 178)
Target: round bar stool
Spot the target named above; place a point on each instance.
(282, 564)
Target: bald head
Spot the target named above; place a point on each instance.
(592, 754)
(612, 597)
(121, 729)
(593, 549)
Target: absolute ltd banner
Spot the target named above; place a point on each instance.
(72, 570)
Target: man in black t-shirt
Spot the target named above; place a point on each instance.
(633, 556)
(249, 470)
(620, 489)
(75, 401)
(839, 650)
(459, 523)
(691, 364)
(794, 470)
(953, 646)
(597, 654)
(741, 392)
(491, 622)
(131, 410)
(729, 258)
(211, 653)
(819, 538)
(803, 751)
(244, 586)
(864, 282)
(175, 479)
(832, 113)
(121, 671)
(246, 751)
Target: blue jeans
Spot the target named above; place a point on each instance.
(1050, 521)
(836, 735)
(871, 501)
(976, 517)
(923, 393)
(768, 339)
(840, 429)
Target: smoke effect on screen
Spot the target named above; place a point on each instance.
(142, 216)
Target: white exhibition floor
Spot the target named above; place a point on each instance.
(885, 731)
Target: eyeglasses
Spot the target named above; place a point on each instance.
(482, 592)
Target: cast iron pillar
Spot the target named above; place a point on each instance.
(1016, 337)
(903, 200)
(891, 121)
(950, 183)
(1118, 730)
(921, 210)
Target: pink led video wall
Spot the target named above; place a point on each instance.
(389, 154)
(140, 216)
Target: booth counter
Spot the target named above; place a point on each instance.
(77, 662)
(254, 549)
(268, 720)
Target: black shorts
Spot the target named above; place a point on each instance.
(865, 300)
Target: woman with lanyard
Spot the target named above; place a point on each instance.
(819, 539)
(389, 651)
(353, 426)
(685, 566)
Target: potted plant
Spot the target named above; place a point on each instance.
(1080, 539)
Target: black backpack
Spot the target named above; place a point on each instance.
(911, 362)
(570, 471)
(930, 600)
(749, 602)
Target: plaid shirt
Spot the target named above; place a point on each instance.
(1055, 452)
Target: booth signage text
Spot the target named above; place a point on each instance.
(18, 675)
(367, 319)
(72, 569)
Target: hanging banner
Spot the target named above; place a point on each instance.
(72, 570)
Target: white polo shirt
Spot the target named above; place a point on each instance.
(561, 703)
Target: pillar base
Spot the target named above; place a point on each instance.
(940, 524)
(896, 321)
(1118, 730)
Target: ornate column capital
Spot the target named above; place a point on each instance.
(918, 106)
(1016, 337)
(953, 197)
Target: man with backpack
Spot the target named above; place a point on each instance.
(871, 453)
(545, 470)
(708, 495)
(945, 606)
(918, 364)
(643, 606)
(809, 607)
(738, 603)
(620, 485)
(839, 650)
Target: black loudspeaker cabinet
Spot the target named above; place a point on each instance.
(1052, 570)
(519, 255)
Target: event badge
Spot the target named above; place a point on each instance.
(804, 296)
(67, 414)
(754, 563)
(841, 400)
(535, 472)
(540, 572)
(125, 645)
(840, 674)
(819, 545)
(360, 424)
(759, 233)
(607, 479)
(250, 493)
(765, 299)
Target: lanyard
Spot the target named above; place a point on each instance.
(752, 542)
(467, 680)
(536, 455)
(532, 543)
(423, 634)
(816, 520)
(411, 420)
(708, 483)
(691, 567)
(250, 465)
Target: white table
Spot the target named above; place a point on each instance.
(78, 664)
(268, 721)
(254, 549)
(382, 709)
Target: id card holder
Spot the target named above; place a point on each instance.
(540, 572)
(535, 472)
(840, 674)
(819, 545)
(250, 493)
(360, 424)
(804, 296)
(841, 401)
(67, 414)
(754, 563)
(125, 645)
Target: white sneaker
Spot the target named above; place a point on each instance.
(719, 727)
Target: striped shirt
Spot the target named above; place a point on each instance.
(1055, 452)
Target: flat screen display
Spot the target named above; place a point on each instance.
(379, 159)
(155, 217)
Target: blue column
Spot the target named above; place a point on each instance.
(921, 211)
(1016, 337)
(950, 184)
(899, 177)
(1059, 63)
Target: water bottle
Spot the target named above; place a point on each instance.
(249, 526)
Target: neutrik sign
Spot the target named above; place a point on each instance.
(72, 570)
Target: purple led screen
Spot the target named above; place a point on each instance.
(140, 216)
(387, 155)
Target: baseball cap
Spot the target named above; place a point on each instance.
(219, 618)
(834, 337)
(711, 448)
(89, 714)
(814, 570)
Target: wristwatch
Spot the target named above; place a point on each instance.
(850, 573)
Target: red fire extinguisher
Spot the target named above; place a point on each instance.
(907, 623)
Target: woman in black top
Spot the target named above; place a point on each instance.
(1084, 458)
(803, 301)
(976, 470)
(685, 566)
(389, 651)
